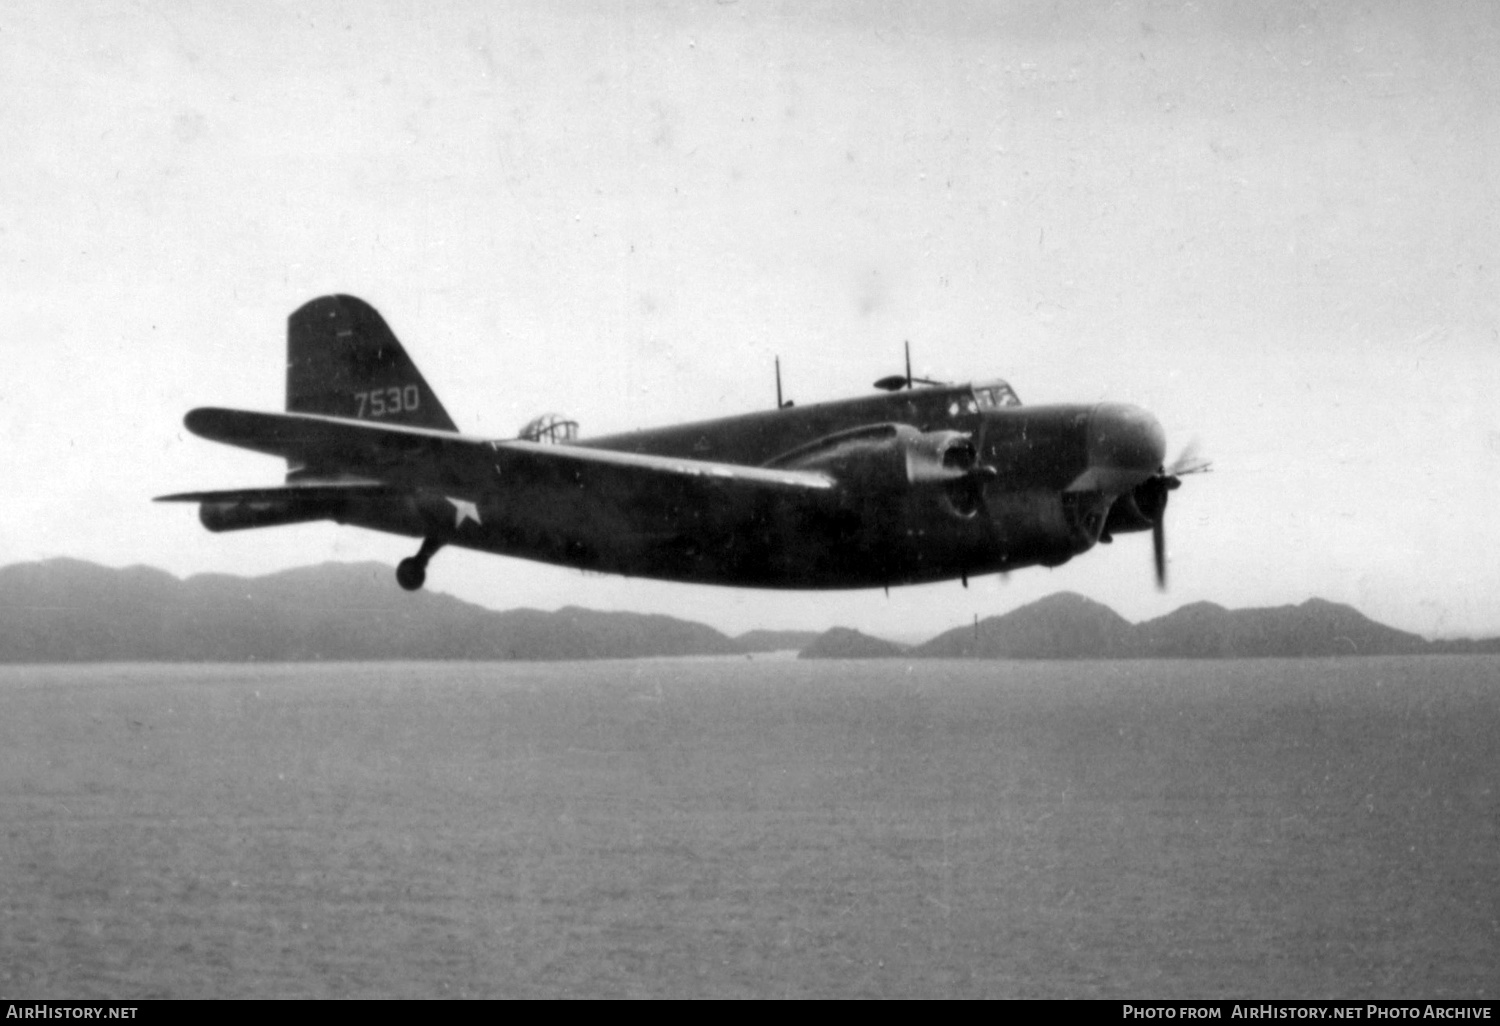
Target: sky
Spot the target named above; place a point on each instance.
(1274, 225)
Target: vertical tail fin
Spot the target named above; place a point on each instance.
(342, 361)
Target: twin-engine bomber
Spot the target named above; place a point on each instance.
(923, 482)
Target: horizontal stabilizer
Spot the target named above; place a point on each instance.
(311, 492)
(243, 508)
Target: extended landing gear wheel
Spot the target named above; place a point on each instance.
(411, 573)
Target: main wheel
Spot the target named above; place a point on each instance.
(410, 573)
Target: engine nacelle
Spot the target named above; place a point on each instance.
(895, 458)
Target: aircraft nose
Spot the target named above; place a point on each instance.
(1125, 439)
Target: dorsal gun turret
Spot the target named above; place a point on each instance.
(550, 429)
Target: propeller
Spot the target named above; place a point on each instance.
(1151, 499)
(1159, 544)
(1190, 461)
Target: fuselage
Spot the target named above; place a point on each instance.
(867, 534)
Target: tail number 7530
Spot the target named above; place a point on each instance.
(386, 402)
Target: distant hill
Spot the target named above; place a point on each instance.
(1315, 628)
(844, 643)
(1061, 626)
(1068, 626)
(67, 610)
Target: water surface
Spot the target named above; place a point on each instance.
(1278, 828)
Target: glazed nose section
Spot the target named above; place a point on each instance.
(1125, 440)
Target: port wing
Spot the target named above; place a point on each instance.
(408, 458)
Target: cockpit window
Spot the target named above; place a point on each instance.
(994, 396)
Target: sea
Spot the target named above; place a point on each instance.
(756, 828)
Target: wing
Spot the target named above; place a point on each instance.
(387, 455)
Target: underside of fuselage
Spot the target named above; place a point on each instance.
(781, 548)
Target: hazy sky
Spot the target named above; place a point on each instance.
(1272, 224)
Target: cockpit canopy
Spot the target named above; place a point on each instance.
(992, 395)
(550, 429)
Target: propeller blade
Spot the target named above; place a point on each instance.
(1189, 461)
(1159, 550)
(1151, 500)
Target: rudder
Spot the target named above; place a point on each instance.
(343, 361)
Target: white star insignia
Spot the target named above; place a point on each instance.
(464, 511)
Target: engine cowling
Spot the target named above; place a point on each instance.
(1137, 510)
(887, 459)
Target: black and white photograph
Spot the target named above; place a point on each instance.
(743, 499)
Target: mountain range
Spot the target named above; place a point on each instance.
(65, 610)
(1069, 626)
